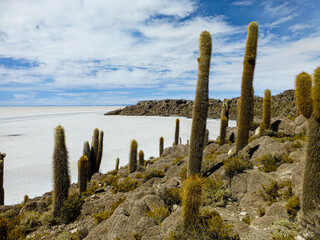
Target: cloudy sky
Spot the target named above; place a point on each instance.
(103, 52)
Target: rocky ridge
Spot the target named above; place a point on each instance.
(146, 204)
(283, 105)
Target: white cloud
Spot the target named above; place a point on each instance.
(299, 27)
(243, 3)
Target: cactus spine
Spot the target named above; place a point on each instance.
(266, 118)
(60, 170)
(246, 99)
(161, 146)
(176, 133)
(200, 106)
(141, 158)
(117, 164)
(2, 156)
(133, 156)
(86, 152)
(308, 101)
(100, 152)
(83, 173)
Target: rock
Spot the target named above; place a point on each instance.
(301, 124)
(283, 125)
(231, 134)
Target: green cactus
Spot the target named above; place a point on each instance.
(191, 201)
(82, 173)
(161, 146)
(117, 164)
(246, 100)
(308, 101)
(223, 129)
(60, 171)
(100, 152)
(206, 138)
(200, 106)
(262, 128)
(133, 157)
(225, 108)
(86, 152)
(94, 151)
(266, 118)
(176, 133)
(238, 110)
(141, 158)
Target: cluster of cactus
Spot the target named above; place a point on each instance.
(266, 116)
(61, 176)
(176, 133)
(308, 102)
(133, 156)
(224, 120)
(94, 154)
(2, 156)
(245, 115)
(192, 189)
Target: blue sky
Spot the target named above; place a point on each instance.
(103, 52)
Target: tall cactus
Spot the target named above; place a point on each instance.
(133, 157)
(206, 138)
(225, 108)
(176, 133)
(2, 156)
(161, 146)
(86, 152)
(141, 158)
(60, 170)
(94, 151)
(223, 129)
(266, 118)
(308, 101)
(83, 173)
(100, 152)
(200, 106)
(238, 111)
(117, 164)
(246, 99)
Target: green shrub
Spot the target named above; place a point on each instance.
(90, 191)
(281, 236)
(235, 165)
(270, 162)
(214, 191)
(126, 185)
(183, 173)
(293, 206)
(137, 236)
(71, 208)
(172, 196)
(261, 211)
(179, 160)
(158, 214)
(153, 173)
(99, 217)
(246, 219)
(276, 191)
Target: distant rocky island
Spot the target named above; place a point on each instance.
(283, 105)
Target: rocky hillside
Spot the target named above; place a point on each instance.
(253, 195)
(283, 104)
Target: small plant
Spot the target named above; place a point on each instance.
(246, 219)
(137, 236)
(71, 208)
(172, 196)
(235, 165)
(99, 217)
(281, 236)
(179, 160)
(293, 206)
(261, 211)
(153, 173)
(126, 185)
(183, 173)
(158, 214)
(270, 163)
(270, 193)
(214, 190)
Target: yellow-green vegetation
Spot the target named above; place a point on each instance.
(200, 106)
(293, 206)
(82, 174)
(137, 236)
(223, 129)
(261, 211)
(281, 138)
(158, 214)
(90, 190)
(235, 165)
(271, 162)
(125, 185)
(153, 173)
(303, 94)
(262, 129)
(210, 159)
(246, 219)
(141, 158)
(282, 236)
(183, 173)
(191, 201)
(210, 226)
(214, 191)
(276, 191)
(61, 177)
(99, 217)
(246, 99)
(172, 196)
(179, 160)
